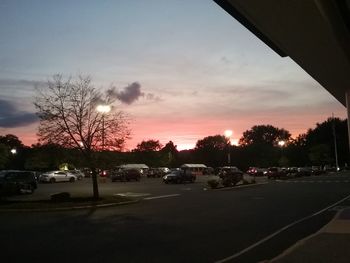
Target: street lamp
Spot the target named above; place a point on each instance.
(103, 109)
(281, 143)
(228, 134)
(13, 151)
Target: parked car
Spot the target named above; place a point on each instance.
(292, 171)
(87, 172)
(104, 173)
(125, 175)
(79, 174)
(317, 170)
(304, 171)
(179, 176)
(57, 176)
(255, 171)
(275, 173)
(156, 172)
(17, 182)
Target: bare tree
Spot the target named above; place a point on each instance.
(68, 114)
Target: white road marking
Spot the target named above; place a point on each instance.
(280, 231)
(160, 196)
(130, 194)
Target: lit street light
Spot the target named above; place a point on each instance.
(228, 133)
(281, 143)
(13, 151)
(103, 109)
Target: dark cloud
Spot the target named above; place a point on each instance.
(11, 117)
(131, 93)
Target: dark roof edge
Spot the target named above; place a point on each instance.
(245, 22)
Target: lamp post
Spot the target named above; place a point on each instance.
(103, 109)
(281, 144)
(228, 134)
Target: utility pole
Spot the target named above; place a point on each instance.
(335, 143)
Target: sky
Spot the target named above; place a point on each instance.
(196, 71)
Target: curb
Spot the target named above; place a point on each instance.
(58, 209)
(301, 242)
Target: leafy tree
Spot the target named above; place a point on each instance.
(169, 154)
(264, 134)
(319, 142)
(296, 151)
(148, 146)
(67, 109)
(320, 154)
(212, 150)
(47, 157)
(17, 159)
(148, 152)
(4, 155)
(12, 141)
(216, 142)
(260, 145)
(170, 147)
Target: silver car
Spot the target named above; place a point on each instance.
(57, 176)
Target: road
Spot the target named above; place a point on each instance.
(185, 223)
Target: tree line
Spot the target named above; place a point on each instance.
(259, 146)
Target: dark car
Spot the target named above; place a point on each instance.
(155, 172)
(17, 182)
(275, 173)
(179, 176)
(255, 171)
(304, 171)
(125, 175)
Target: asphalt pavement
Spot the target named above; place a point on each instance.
(176, 223)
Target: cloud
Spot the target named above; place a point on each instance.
(11, 117)
(20, 82)
(151, 96)
(131, 93)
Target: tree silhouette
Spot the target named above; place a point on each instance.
(264, 134)
(211, 150)
(148, 146)
(68, 115)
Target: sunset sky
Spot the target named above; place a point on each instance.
(200, 72)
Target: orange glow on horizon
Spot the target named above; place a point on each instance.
(185, 146)
(234, 142)
(228, 133)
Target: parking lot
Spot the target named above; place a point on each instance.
(144, 187)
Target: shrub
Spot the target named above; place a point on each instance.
(213, 183)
